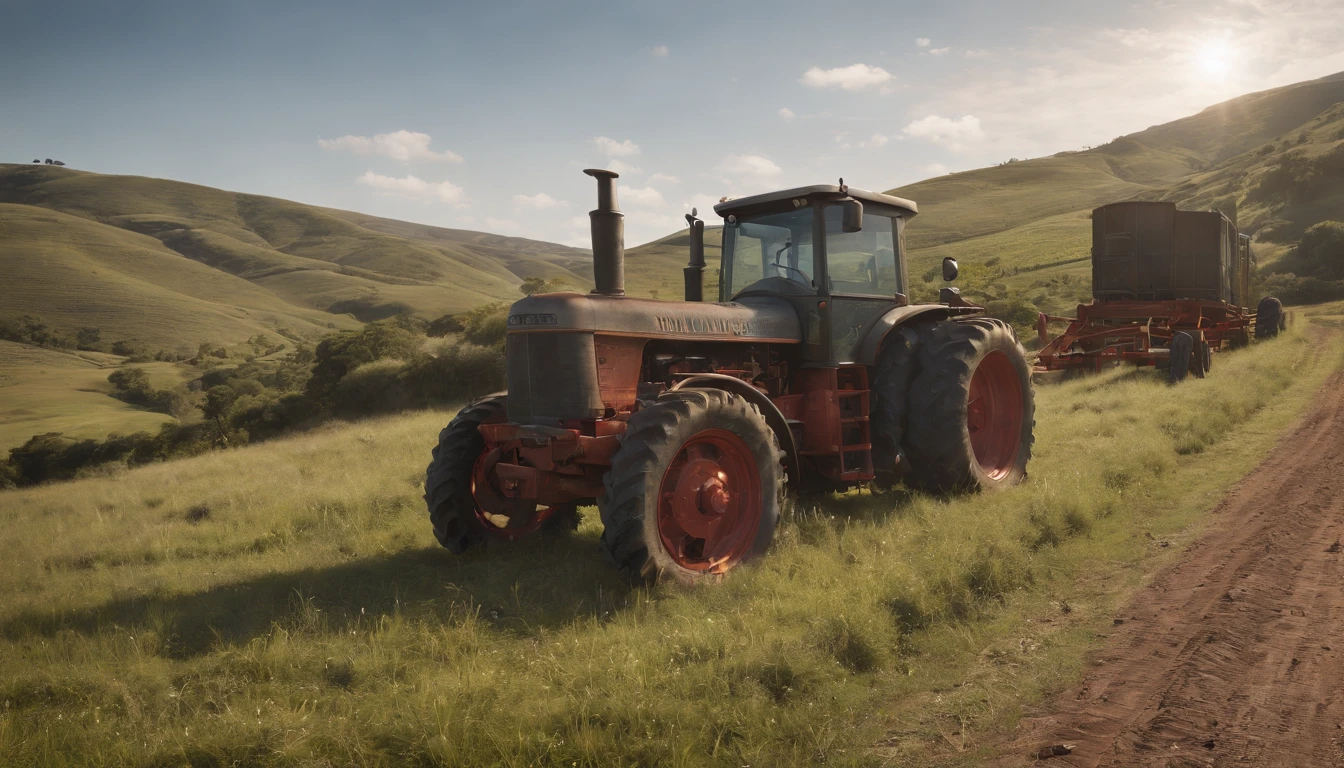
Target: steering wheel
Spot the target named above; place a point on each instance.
(790, 267)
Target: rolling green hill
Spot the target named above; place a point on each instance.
(177, 264)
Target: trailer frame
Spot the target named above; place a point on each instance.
(1139, 332)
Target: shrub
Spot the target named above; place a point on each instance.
(374, 387)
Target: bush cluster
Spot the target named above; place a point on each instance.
(385, 367)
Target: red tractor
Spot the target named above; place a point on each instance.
(688, 423)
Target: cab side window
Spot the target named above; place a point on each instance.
(861, 263)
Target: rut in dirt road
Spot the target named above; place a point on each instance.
(1234, 656)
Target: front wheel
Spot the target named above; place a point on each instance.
(466, 510)
(695, 489)
(972, 409)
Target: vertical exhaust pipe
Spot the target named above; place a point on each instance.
(695, 270)
(608, 224)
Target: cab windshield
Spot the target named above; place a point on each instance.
(778, 245)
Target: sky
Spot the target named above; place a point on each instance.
(482, 115)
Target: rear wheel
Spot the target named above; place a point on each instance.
(896, 365)
(466, 509)
(972, 410)
(1269, 318)
(696, 488)
(1182, 350)
(1206, 356)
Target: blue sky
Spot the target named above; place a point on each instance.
(481, 115)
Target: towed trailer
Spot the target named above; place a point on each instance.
(1169, 289)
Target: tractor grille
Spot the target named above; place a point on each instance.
(552, 376)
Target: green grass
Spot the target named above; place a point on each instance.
(47, 390)
(284, 604)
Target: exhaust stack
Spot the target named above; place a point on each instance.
(695, 270)
(608, 224)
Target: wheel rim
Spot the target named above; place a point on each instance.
(519, 516)
(994, 414)
(709, 502)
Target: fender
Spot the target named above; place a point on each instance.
(769, 410)
(870, 344)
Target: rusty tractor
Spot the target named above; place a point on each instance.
(1169, 289)
(689, 423)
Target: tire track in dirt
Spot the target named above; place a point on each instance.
(1235, 655)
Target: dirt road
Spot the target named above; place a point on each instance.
(1235, 655)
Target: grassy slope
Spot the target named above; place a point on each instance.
(285, 604)
(47, 390)
(301, 260)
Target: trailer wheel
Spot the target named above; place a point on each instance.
(695, 489)
(465, 512)
(1206, 357)
(1268, 318)
(896, 364)
(972, 410)
(1182, 349)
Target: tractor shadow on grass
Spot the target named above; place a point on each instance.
(517, 589)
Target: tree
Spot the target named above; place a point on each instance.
(88, 338)
(218, 403)
(1322, 245)
(533, 285)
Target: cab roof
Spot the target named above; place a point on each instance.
(908, 207)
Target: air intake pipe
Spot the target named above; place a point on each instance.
(608, 224)
(695, 270)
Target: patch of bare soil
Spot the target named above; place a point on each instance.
(1235, 655)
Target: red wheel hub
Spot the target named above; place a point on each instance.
(501, 516)
(994, 414)
(709, 502)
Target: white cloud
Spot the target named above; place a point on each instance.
(786, 114)
(614, 148)
(404, 146)
(975, 53)
(874, 141)
(922, 42)
(413, 187)
(660, 51)
(951, 133)
(855, 77)
(750, 166)
(540, 201)
(663, 178)
(938, 51)
(645, 196)
(505, 226)
(623, 168)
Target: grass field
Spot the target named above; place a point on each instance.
(284, 603)
(47, 390)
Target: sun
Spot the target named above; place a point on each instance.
(1213, 58)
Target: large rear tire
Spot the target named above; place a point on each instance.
(1269, 318)
(695, 489)
(896, 364)
(972, 409)
(451, 493)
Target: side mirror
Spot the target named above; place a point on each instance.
(949, 269)
(851, 216)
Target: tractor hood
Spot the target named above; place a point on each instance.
(751, 319)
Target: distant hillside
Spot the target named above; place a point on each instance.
(1030, 219)
(176, 264)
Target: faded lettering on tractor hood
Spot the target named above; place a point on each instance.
(754, 319)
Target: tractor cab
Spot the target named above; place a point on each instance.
(836, 253)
